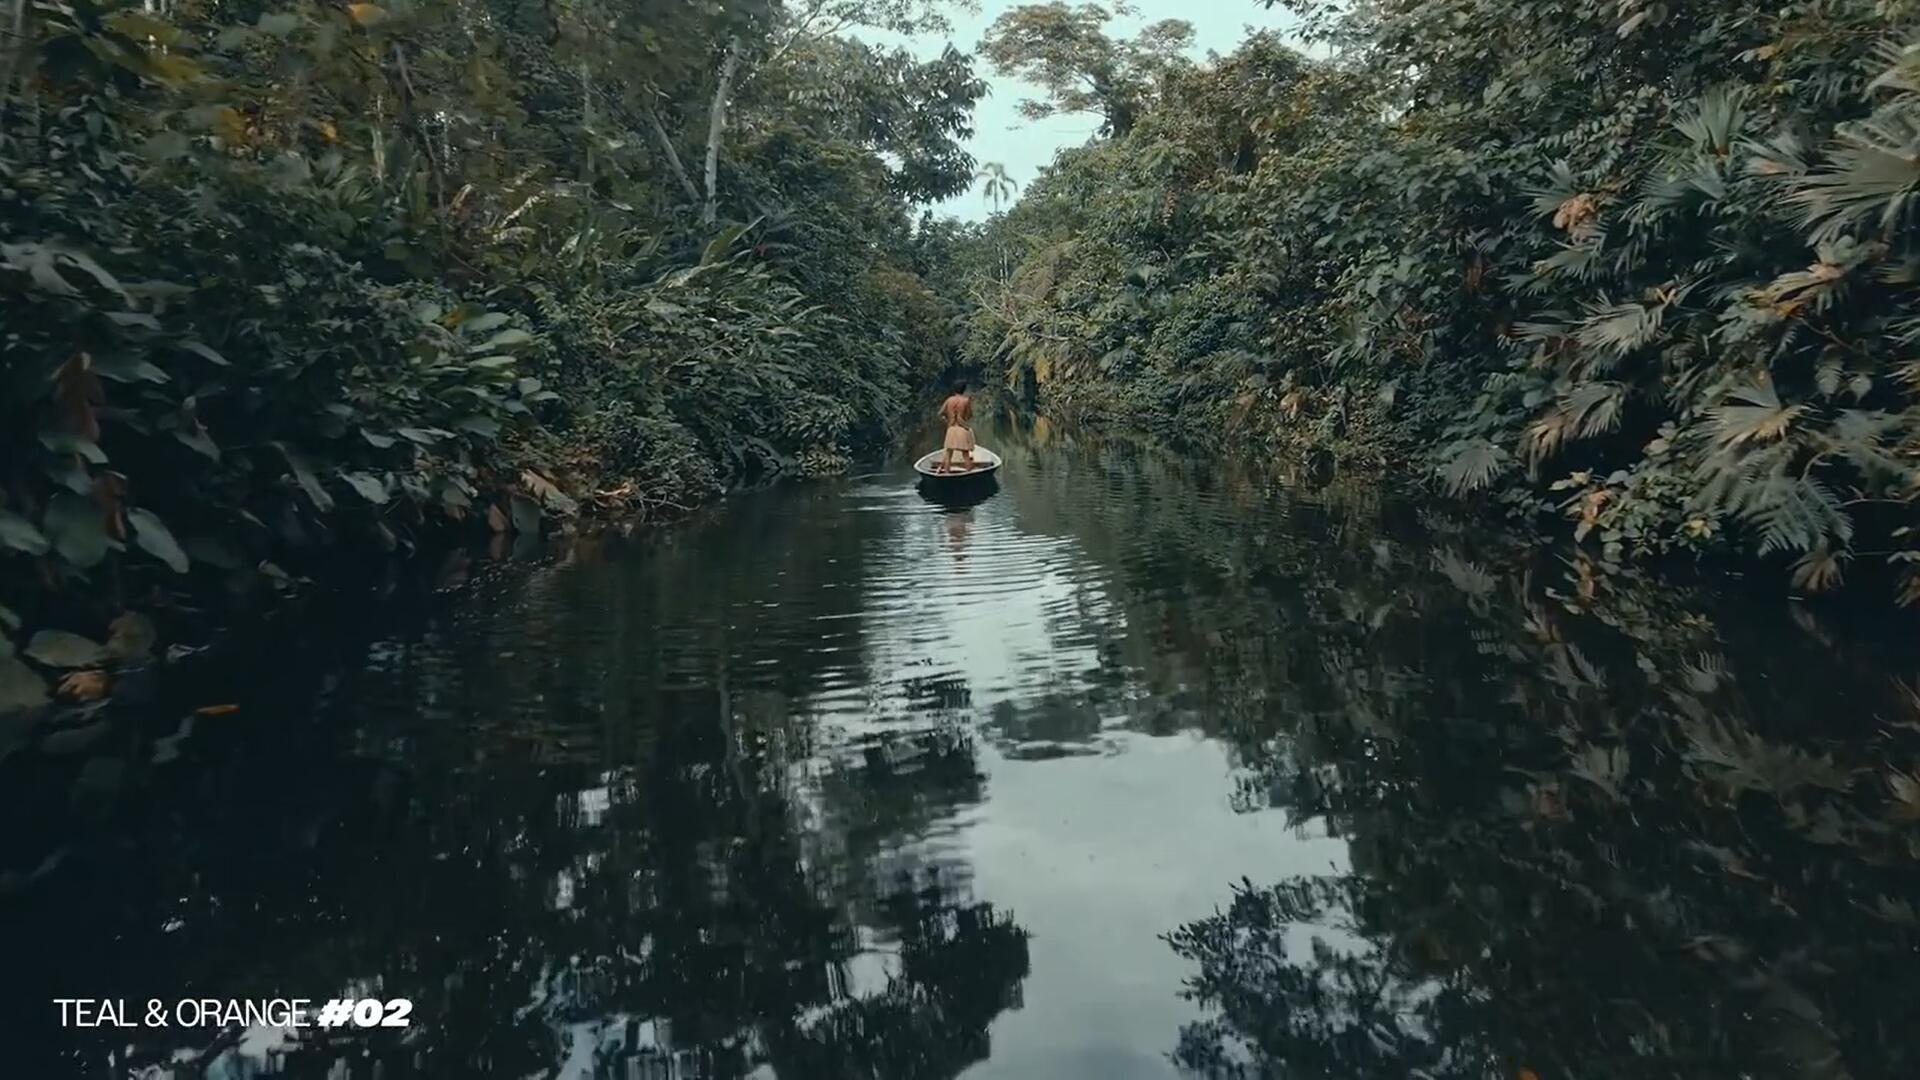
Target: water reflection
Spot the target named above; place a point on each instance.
(848, 781)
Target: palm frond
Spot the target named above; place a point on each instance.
(1870, 178)
(1620, 328)
(1715, 125)
(1473, 466)
(1594, 408)
(1761, 417)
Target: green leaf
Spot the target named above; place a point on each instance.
(722, 242)
(129, 369)
(376, 439)
(78, 529)
(1474, 466)
(492, 320)
(503, 339)
(304, 475)
(165, 146)
(61, 442)
(155, 539)
(1761, 418)
(43, 264)
(526, 515)
(143, 26)
(205, 352)
(491, 363)
(60, 649)
(131, 637)
(289, 170)
(70, 473)
(369, 487)
(20, 534)
(479, 425)
(199, 442)
(20, 686)
(278, 23)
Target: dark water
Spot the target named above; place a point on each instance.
(1130, 767)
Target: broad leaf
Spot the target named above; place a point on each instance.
(20, 534)
(77, 528)
(60, 649)
(156, 539)
(304, 475)
(369, 487)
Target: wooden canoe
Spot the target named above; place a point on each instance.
(985, 463)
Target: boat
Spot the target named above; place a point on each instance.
(985, 463)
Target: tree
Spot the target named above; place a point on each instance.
(1067, 51)
(914, 114)
(999, 186)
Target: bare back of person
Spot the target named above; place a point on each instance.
(957, 414)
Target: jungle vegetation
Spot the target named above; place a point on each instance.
(282, 282)
(1646, 265)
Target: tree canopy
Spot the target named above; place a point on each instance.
(1643, 267)
(1066, 51)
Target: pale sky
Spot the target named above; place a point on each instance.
(1001, 134)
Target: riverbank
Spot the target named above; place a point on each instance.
(124, 710)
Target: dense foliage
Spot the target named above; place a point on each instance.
(280, 280)
(1650, 266)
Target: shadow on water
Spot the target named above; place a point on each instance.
(957, 495)
(1131, 765)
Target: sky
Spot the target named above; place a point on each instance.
(1025, 146)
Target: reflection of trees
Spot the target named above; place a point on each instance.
(874, 800)
(1591, 838)
(612, 851)
(961, 965)
(1599, 827)
(1306, 1006)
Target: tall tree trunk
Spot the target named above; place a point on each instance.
(586, 120)
(380, 138)
(716, 126)
(410, 119)
(13, 47)
(673, 156)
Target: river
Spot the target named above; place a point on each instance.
(1127, 767)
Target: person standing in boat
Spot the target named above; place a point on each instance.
(957, 414)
